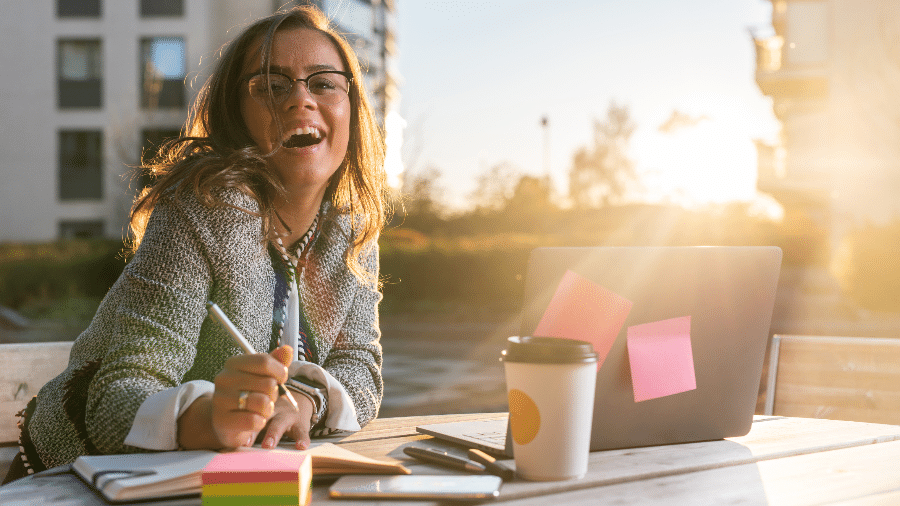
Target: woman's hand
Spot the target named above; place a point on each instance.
(242, 403)
(217, 421)
(245, 395)
(285, 420)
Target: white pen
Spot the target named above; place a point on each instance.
(217, 314)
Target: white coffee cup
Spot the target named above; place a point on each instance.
(550, 385)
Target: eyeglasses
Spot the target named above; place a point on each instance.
(326, 86)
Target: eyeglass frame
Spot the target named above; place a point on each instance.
(305, 81)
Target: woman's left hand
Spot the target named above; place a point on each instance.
(286, 420)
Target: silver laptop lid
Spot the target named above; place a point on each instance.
(728, 293)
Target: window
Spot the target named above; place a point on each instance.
(78, 8)
(153, 139)
(162, 61)
(80, 165)
(80, 229)
(80, 74)
(355, 16)
(160, 8)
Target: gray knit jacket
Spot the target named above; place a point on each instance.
(151, 332)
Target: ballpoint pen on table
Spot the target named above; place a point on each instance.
(433, 456)
(491, 465)
(220, 317)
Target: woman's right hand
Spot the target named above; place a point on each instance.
(237, 423)
(234, 423)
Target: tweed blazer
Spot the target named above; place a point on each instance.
(151, 331)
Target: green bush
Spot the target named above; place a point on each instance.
(43, 280)
(481, 282)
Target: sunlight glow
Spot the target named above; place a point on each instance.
(704, 163)
(393, 162)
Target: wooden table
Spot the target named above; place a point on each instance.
(793, 461)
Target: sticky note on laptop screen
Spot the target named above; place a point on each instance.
(581, 309)
(661, 359)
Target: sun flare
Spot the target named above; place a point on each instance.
(703, 163)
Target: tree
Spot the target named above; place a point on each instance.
(601, 173)
(495, 187)
(531, 197)
(421, 199)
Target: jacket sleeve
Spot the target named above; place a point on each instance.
(355, 359)
(150, 321)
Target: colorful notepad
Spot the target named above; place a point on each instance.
(270, 478)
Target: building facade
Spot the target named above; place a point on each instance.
(832, 69)
(92, 84)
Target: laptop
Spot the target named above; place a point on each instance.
(728, 293)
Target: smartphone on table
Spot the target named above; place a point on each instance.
(411, 486)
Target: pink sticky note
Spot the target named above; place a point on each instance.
(583, 310)
(257, 467)
(661, 359)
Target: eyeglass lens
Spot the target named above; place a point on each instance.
(325, 87)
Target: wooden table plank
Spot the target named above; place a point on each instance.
(861, 475)
(891, 498)
(770, 461)
(772, 438)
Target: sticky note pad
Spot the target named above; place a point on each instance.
(273, 477)
(583, 310)
(661, 359)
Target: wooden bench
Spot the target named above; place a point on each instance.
(24, 369)
(839, 378)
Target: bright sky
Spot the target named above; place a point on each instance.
(478, 76)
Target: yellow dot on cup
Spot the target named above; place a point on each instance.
(524, 417)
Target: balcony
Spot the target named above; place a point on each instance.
(782, 81)
(803, 188)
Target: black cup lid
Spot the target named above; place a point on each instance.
(548, 350)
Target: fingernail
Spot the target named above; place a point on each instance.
(270, 442)
(250, 441)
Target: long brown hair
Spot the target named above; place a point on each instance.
(215, 149)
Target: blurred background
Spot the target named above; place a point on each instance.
(509, 124)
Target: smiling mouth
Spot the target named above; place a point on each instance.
(303, 137)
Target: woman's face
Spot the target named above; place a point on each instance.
(317, 132)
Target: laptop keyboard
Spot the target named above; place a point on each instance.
(491, 438)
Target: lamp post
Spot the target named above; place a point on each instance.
(545, 125)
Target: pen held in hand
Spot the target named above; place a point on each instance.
(433, 456)
(217, 314)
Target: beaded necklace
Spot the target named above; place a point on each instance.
(288, 269)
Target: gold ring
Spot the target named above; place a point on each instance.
(242, 400)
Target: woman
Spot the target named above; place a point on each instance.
(270, 206)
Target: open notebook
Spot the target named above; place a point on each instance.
(141, 476)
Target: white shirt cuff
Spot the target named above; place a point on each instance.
(341, 413)
(155, 426)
